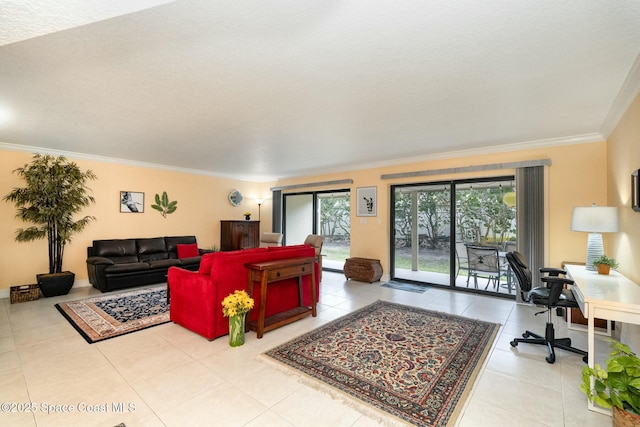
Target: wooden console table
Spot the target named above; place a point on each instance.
(274, 271)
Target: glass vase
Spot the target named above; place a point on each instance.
(236, 330)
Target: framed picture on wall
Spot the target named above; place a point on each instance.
(131, 202)
(366, 201)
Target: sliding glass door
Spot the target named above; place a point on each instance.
(455, 233)
(298, 218)
(422, 233)
(325, 213)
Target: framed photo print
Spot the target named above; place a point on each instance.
(366, 201)
(131, 202)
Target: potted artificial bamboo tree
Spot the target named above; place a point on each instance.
(56, 190)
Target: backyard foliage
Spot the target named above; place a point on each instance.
(335, 216)
(481, 216)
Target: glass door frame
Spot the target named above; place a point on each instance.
(452, 225)
(315, 215)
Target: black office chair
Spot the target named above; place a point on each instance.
(552, 295)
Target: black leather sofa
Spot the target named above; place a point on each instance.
(124, 263)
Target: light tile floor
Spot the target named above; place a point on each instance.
(168, 376)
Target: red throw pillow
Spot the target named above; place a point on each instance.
(187, 250)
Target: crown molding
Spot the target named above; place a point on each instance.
(518, 146)
(628, 92)
(104, 159)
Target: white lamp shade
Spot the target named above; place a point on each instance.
(595, 219)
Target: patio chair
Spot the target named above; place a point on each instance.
(484, 261)
(463, 261)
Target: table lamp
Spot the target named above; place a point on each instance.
(594, 220)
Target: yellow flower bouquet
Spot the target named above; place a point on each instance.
(235, 306)
(236, 303)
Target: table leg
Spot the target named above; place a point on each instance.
(263, 305)
(247, 318)
(313, 291)
(591, 347)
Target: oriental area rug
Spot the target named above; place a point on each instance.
(414, 364)
(110, 315)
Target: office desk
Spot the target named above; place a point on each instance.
(612, 297)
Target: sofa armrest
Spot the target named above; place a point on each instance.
(97, 260)
(95, 269)
(193, 301)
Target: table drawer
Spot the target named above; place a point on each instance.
(283, 273)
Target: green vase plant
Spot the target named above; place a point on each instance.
(617, 386)
(55, 192)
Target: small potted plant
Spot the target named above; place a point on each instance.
(617, 387)
(604, 264)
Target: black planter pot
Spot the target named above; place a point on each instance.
(55, 284)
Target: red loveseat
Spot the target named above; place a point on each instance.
(196, 297)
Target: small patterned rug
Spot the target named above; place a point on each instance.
(415, 364)
(110, 315)
(410, 287)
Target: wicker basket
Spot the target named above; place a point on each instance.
(24, 293)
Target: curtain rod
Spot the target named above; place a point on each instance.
(312, 184)
(494, 166)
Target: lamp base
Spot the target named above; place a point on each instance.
(595, 249)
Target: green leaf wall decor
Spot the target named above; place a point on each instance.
(164, 206)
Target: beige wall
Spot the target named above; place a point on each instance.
(577, 177)
(202, 203)
(623, 159)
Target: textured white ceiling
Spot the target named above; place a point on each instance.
(24, 19)
(263, 89)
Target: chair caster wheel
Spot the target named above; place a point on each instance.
(585, 359)
(514, 343)
(525, 335)
(550, 358)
